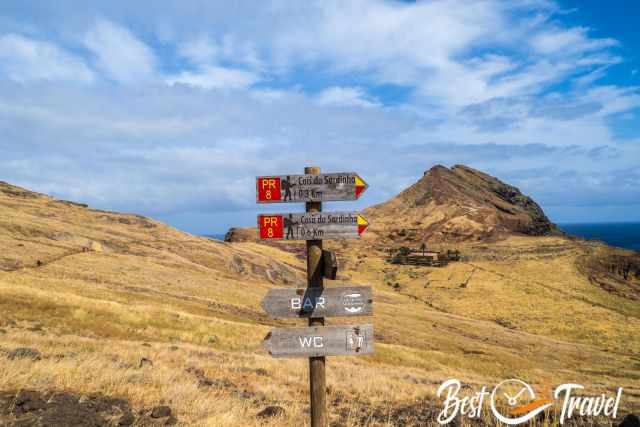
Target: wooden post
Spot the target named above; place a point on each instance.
(315, 270)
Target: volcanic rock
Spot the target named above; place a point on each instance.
(238, 234)
(160, 411)
(271, 411)
(458, 204)
(25, 353)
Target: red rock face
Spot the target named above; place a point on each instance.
(458, 204)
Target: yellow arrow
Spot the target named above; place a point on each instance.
(360, 186)
(362, 224)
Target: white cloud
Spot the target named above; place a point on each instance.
(193, 150)
(120, 54)
(591, 77)
(614, 99)
(199, 50)
(205, 50)
(346, 97)
(448, 54)
(479, 87)
(364, 34)
(226, 63)
(439, 48)
(211, 77)
(23, 59)
(568, 41)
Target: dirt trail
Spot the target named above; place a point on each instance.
(43, 263)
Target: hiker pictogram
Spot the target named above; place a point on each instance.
(287, 185)
(289, 223)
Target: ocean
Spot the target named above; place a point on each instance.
(215, 236)
(621, 234)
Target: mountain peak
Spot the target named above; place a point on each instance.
(456, 204)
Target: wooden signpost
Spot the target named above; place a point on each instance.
(315, 302)
(309, 187)
(319, 302)
(311, 226)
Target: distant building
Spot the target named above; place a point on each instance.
(409, 256)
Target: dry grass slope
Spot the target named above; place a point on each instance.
(130, 308)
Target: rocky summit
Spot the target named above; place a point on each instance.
(458, 204)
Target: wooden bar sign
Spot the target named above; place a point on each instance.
(342, 301)
(320, 341)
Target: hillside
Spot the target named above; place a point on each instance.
(458, 204)
(122, 315)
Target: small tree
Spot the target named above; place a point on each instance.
(423, 248)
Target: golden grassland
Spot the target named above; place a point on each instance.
(96, 292)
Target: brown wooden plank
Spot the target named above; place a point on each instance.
(309, 187)
(311, 226)
(334, 301)
(317, 341)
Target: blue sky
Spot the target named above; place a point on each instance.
(171, 108)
